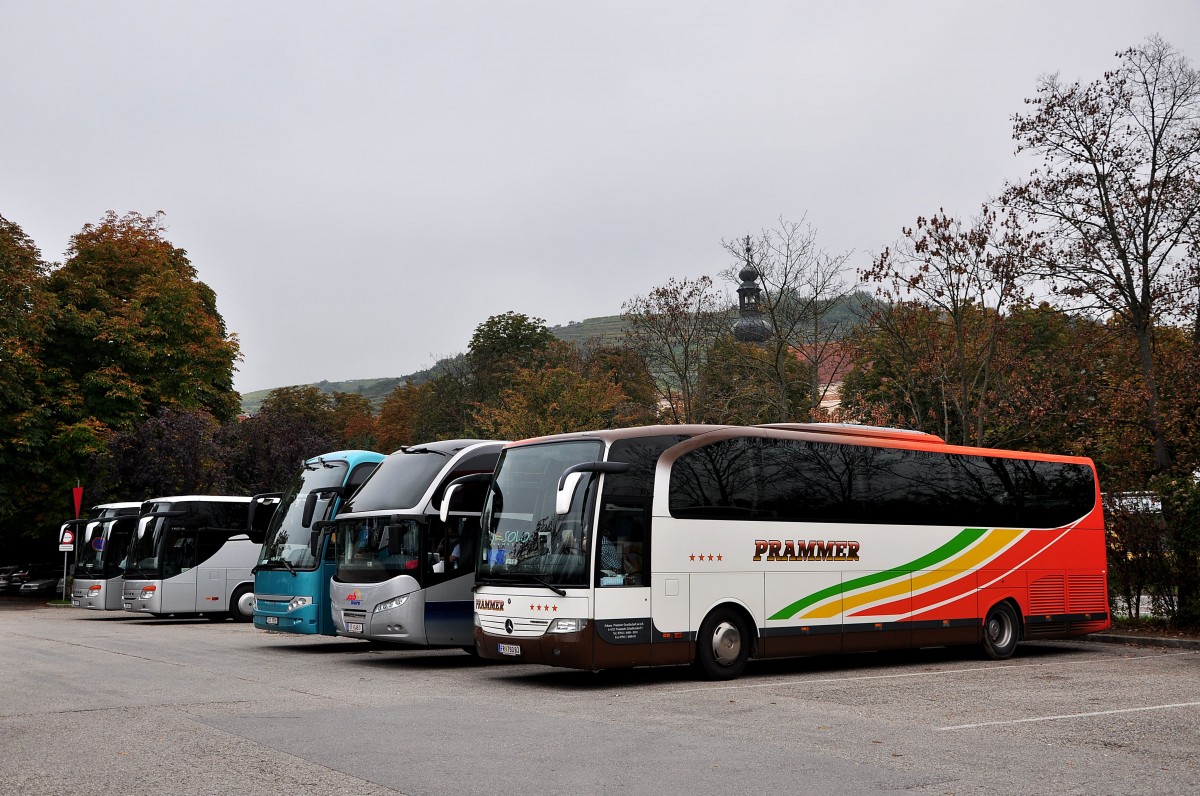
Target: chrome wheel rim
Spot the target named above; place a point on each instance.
(726, 643)
(999, 630)
(245, 604)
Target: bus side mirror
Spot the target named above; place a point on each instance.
(447, 496)
(310, 503)
(566, 493)
(569, 480)
(453, 487)
(258, 500)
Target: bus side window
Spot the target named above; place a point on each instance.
(623, 547)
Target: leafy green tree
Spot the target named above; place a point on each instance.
(171, 453)
(740, 383)
(1118, 199)
(134, 329)
(24, 413)
(505, 344)
(944, 290)
(293, 424)
(354, 420)
(627, 369)
(551, 401)
(672, 328)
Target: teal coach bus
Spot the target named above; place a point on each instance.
(291, 579)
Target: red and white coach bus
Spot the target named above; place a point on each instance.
(715, 544)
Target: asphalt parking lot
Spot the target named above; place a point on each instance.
(118, 704)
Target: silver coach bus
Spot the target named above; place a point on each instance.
(193, 554)
(100, 547)
(404, 574)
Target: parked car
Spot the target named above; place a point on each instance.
(8, 583)
(38, 579)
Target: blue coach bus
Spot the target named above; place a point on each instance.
(291, 579)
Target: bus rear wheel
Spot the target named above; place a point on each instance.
(241, 604)
(723, 645)
(1001, 631)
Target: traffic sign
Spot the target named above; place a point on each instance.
(66, 542)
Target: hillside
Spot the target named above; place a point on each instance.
(607, 327)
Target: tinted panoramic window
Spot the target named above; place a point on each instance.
(399, 482)
(798, 480)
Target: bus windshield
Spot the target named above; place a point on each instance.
(142, 561)
(400, 482)
(89, 562)
(524, 539)
(287, 542)
(375, 549)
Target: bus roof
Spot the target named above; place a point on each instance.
(200, 498)
(347, 456)
(846, 433)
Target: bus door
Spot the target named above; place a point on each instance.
(622, 610)
(449, 552)
(179, 566)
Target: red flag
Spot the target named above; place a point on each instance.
(77, 493)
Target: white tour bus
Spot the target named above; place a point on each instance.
(100, 546)
(714, 544)
(193, 554)
(404, 573)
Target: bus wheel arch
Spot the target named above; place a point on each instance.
(241, 603)
(727, 639)
(1001, 630)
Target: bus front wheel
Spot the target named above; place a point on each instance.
(241, 604)
(1001, 631)
(723, 645)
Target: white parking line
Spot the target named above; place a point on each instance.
(1069, 716)
(999, 667)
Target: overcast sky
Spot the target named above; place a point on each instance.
(364, 183)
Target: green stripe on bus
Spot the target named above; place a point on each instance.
(956, 545)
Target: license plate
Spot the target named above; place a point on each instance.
(75, 603)
(354, 627)
(272, 620)
(127, 606)
(510, 649)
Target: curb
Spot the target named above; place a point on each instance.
(1143, 641)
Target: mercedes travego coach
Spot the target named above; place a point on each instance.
(403, 573)
(291, 579)
(714, 544)
(193, 554)
(100, 546)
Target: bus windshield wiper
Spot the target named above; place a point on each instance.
(422, 450)
(549, 585)
(271, 562)
(508, 578)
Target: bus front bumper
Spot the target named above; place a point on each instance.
(570, 650)
(274, 615)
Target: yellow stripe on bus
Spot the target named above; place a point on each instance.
(987, 547)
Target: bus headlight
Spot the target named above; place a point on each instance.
(563, 625)
(148, 592)
(299, 602)
(395, 602)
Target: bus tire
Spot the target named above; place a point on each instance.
(723, 645)
(241, 603)
(1001, 631)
